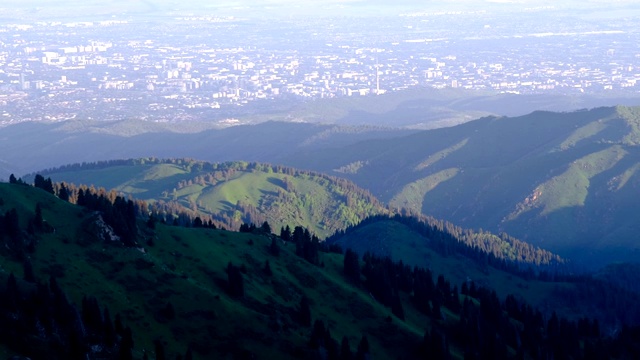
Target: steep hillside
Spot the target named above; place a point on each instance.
(445, 249)
(234, 193)
(185, 267)
(563, 181)
(501, 263)
(74, 292)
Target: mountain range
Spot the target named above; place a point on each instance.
(29, 147)
(281, 128)
(542, 177)
(135, 258)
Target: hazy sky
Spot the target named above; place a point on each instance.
(26, 9)
(312, 3)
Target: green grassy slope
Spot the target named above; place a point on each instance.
(230, 191)
(186, 267)
(565, 175)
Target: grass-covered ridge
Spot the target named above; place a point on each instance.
(235, 192)
(412, 195)
(562, 181)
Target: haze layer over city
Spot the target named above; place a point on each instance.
(170, 62)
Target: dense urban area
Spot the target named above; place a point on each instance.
(203, 67)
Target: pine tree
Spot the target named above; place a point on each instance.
(38, 181)
(29, 276)
(12, 224)
(439, 346)
(274, 249)
(345, 349)
(188, 355)
(396, 307)
(266, 228)
(151, 222)
(168, 312)
(304, 314)
(13, 294)
(159, 350)
(63, 193)
(267, 268)
(235, 281)
(317, 335)
(285, 233)
(363, 349)
(37, 220)
(108, 330)
(126, 345)
(48, 186)
(119, 327)
(351, 266)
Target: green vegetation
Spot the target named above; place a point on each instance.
(432, 159)
(618, 182)
(631, 115)
(185, 267)
(502, 263)
(583, 133)
(234, 193)
(558, 180)
(210, 293)
(389, 237)
(351, 168)
(412, 195)
(542, 177)
(571, 188)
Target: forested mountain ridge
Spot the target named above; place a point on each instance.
(502, 263)
(75, 293)
(563, 181)
(543, 177)
(232, 193)
(444, 236)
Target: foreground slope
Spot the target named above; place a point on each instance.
(186, 267)
(564, 181)
(209, 293)
(234, 193)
